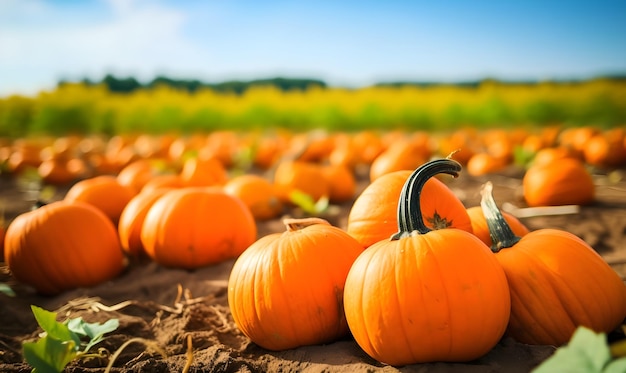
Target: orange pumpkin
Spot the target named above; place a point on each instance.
(61, 171)
(481, 230)
(196, 227)
(426, 296)
(136, 174)
(88, 253)
(403, 155)
(341, 183)
(103, 192)
(552, 154)
(484, 163)
(557, 281)
(373, 216)
(257, 193)
(606, 149)
(132, 218)
(163, 181)
(286, 289)
(563, 182)
(305, 177)
(201, 172)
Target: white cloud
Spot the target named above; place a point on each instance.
(133, 37)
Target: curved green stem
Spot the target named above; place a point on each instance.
(500, 231)
(409, 207)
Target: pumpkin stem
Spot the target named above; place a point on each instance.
(297, 224)
(500, 231)
(410, 217)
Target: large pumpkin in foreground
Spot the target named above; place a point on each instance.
(195, 227)
(286, 290)
(426, 296)
(557, 281)
(63, 245)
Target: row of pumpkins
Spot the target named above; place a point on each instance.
(415, 276)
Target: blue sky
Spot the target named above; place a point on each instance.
(346, 43)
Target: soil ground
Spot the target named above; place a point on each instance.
(169, 305)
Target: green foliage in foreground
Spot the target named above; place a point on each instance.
(61, 343)
(587, 352)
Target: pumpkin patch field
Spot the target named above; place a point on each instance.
(317, 251)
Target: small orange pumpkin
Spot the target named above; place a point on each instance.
(88, 253)
(404, 155)
(104, 192)
(373, 215)
(306, 177)
(341, 183)
(557, 282)
(257, 193)
(201, 172)
(195, 227)
(562, 182)
(483, 163)
(426, 296)
(286, 289)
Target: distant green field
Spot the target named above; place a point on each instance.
(87, 109)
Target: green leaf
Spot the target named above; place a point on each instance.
(94, 331)
(49, 354)
(587, 352)
(616, 366)
(6, 290)
(307, 203)
(48, 322)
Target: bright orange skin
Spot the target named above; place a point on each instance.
(136, 174)
(373, 216)
(439, 296)
(197, 172)
(196, 227)
(557, 283)
(562, 182)
(286, 290)
(132, 217)
(86, 248)
(306, 177)
(104, 192)
(341, 183)
(404, 155)
(163, 181)
(481, 230)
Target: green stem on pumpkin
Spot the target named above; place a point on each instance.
(500, 231)
(409, 207)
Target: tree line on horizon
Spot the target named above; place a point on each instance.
(130, 84)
